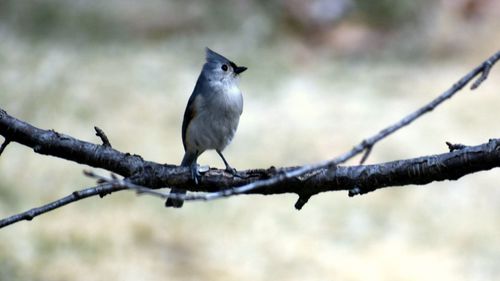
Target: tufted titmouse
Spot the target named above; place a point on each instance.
(212, 114)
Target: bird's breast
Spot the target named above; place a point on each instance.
(228, 100)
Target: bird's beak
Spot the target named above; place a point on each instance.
(239, 69)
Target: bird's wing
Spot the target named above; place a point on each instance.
(190, 111)
(189, 114)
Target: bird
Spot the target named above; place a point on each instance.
(212, 115)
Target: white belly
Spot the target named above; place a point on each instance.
(216, 122)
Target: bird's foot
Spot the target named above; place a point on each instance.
(195, 174)
(235, 173)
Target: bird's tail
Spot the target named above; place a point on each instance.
(187, 161)
(175, 203)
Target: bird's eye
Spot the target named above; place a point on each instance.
(224, 67)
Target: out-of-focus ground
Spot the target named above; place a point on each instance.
(322, 76)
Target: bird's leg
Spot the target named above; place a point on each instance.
(230, 169)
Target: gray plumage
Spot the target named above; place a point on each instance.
(212, 114)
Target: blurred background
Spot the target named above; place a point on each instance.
(323, 74)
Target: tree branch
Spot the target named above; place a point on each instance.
(100, 190)
(357, 180)
(362, 178)
(305, 181)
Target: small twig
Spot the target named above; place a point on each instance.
(366, 154)
(302, 201)
(100, 133)
(75, 196)
(452, 147)
(4, 145)
(125, 184)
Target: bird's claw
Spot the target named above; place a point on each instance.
(231, 170)
(234, 172)
(195, 174)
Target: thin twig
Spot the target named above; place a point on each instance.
(125, 184)
(113, 180)
(365, 155)
(100, 190)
